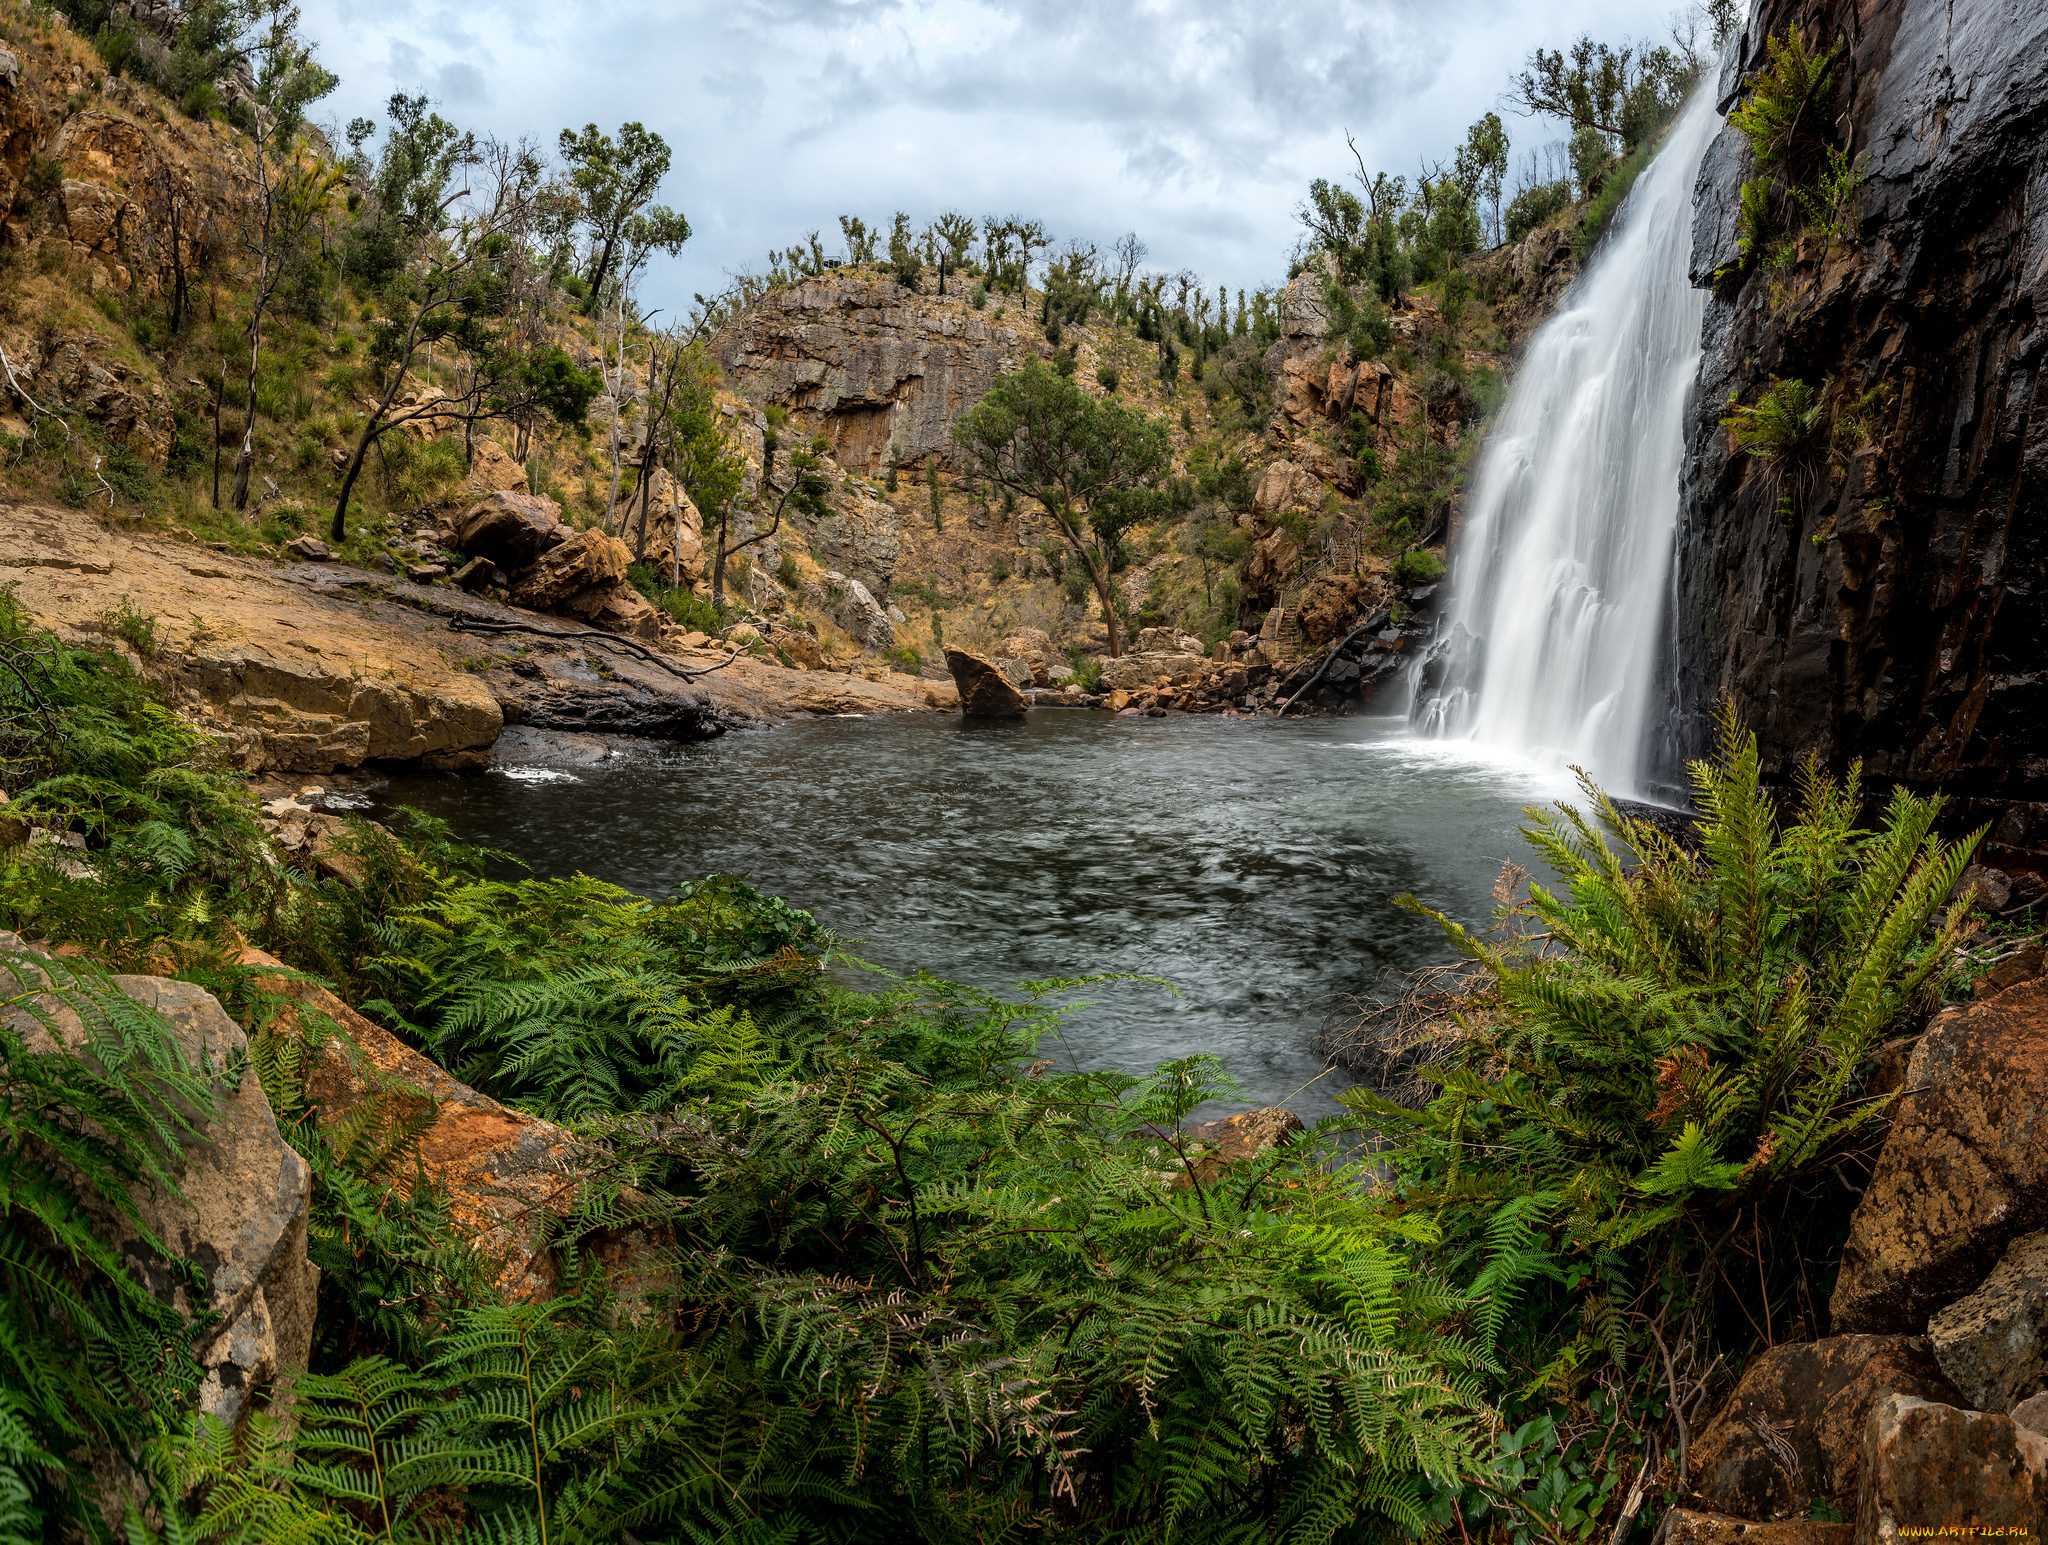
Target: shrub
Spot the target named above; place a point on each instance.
(137, 629)
(786, 572)
(1417, 566)
(1536, 206)
(978, 296)
(998, 569)
(1106, 377)
(905, 659)
(1782, 430)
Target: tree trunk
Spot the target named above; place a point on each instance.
(338, 533)
(1098, 574)
(718, 556)
(219, 390)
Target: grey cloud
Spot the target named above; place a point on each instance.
(1197, 122)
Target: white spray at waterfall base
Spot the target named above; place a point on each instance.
(1549, 644)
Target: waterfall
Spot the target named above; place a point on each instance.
(1550, 640)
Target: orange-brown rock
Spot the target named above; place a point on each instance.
(492, 469)
(1243, 1136)
(1794, 1428)
(1933, 1467)
(985, 692)
(508, 1177)
(1328, 605)
(1034, 647)
(577, 577)
(1963, 1172)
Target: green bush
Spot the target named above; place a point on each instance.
(1106, 377)
(1536, 206)
(905, 659)
(1417, 566)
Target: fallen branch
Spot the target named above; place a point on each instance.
(1376, 621)
(488, 625)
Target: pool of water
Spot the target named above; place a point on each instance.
(1252, 863)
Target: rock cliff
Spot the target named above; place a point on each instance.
(869, 365)
(1897, 614)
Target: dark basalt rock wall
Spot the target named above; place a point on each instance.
(1901, 615)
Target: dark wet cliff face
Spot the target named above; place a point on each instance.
(1900, 614)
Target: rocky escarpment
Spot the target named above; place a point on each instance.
(1892, 607)
(314, 667)
(869, 365)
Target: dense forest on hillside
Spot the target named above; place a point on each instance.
(812, 1254)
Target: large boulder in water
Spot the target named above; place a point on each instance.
(985, 692)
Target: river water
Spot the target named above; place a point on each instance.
(1249, 862)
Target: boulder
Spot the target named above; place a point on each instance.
(577, 577)
(1963, 1172)
(241, 1212)
(1683, 1526)
(511, 529)
(1034, 647)
(1993, 1344)
(985, 692)
(862, 617)
(1133, 671)
(508, 1176)
(1243, 1136)
(475, 574)
(310, 548)
(492, 469)
(1284, 486)
(1794, 1428)
(800, 647)
(1928, 1465)
(1017, 672)
(627, 611)
(1987, 890)
(2032, 1413)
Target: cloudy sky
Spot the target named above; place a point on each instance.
(1197, 123)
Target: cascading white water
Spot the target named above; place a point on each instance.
(1558, 582)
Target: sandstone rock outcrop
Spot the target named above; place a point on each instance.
(1993, 1344)
(860, 614)
(576, 577)
(1795, 1427)
(985, 692)
(1897, 618)
(509, 1177)
(241, 1215)
(1963, 1172)
(1131, 671)
(1927, 1465)
(1035, 648)
(868, 365)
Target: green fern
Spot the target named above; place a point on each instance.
(96, 1101)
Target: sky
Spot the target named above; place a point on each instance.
(1196, 123)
